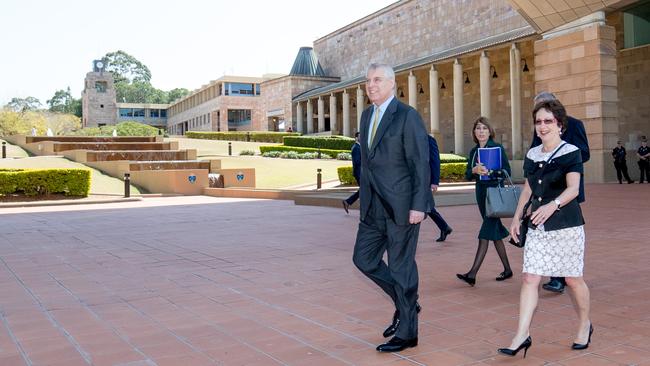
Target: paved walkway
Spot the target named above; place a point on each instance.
(210, 281)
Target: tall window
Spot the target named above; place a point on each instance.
(636, 24)
(239, 117)
(126, 112)
(138, 112)
(163, 113)
(154, 113)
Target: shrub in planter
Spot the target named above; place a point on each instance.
(345, 175)
(264, 149)
(343, 156)
(324, 142)
(70, 182)
(247, 152)
(272, 154)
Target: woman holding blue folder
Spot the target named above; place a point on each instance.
(492, 229)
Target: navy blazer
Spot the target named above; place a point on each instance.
(434, 161)
(356, 161)
(576, 135)
(396, 166)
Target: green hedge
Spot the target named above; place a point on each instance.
(300, 150)
(241, 136)
(452, 158)
(345, 175)
(324, 142)
(126, 128)
(448, 171)
(71, 182)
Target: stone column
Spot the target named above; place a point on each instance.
(515, 101)
(590, 92)
(485, 85)
(434, 106)
(346, 114)
(413, 93)
(333, 126)
(299, 119)
(321, 114)
(459, 147)
(310, 117)
(360, 104)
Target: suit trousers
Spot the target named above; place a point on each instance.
(437, 218)
(377, 234)
(621, 171)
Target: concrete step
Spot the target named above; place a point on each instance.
(31, 139)
(333, 199)
(169, 165)
(138, 155)
(59, 146)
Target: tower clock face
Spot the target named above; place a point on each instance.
(100, 65)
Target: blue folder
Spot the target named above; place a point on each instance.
(490, 157)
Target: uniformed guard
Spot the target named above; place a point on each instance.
(644, 160)
(620, 163)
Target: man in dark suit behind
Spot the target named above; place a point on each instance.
(434, 165)
(356, 172)
(395, 194)
(574, 134)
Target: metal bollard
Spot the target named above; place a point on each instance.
(4, 149)
(229, 148)
(319, 179)
(318, 153)
(248, 136)
(127, 185)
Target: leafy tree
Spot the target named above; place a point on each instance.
(174, 94)
(139, 92)
(21, 122)
(62, 124)
(126, 68)
(24, 104)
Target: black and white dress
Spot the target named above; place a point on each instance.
(557, 247)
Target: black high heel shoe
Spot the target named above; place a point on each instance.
(470, 281)
(513, 352)
(579, 346)
(504, 276)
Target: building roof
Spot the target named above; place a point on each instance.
(306, 63)
(513, 35)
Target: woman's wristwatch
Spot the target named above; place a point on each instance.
(558, 203)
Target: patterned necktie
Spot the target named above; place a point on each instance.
(375, 122)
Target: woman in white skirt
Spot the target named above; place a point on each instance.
(555, 242)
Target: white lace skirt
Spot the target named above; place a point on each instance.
(557, 253)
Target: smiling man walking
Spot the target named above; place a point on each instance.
(395, 194)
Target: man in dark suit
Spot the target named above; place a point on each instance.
(395, 194)
(356, 171)
(434, 165)
(574, 134)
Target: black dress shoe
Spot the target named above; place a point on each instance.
(554, 286)
(392, 328)
(579, 346)
(444, 233)
(504, 276)
(346, 206)
(470, 281)
(397, 344)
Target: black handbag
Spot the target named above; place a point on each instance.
(501, 201)
(523, 227)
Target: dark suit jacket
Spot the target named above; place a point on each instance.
(434, 161)
(576, 135)
(356, 161)
(396, 166)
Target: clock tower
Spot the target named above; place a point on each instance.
(99, 105)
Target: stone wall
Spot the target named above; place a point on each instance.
(633, 66)
(412, 29)
(580, 68)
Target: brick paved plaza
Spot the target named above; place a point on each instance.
(210, 281)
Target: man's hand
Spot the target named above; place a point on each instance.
(434, 188)
(415, 217)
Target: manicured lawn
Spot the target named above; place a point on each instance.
(269, 172)
(100, 183)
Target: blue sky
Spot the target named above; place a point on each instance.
(50, 45)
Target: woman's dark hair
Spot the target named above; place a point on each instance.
(484, 121)
(555, 107)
